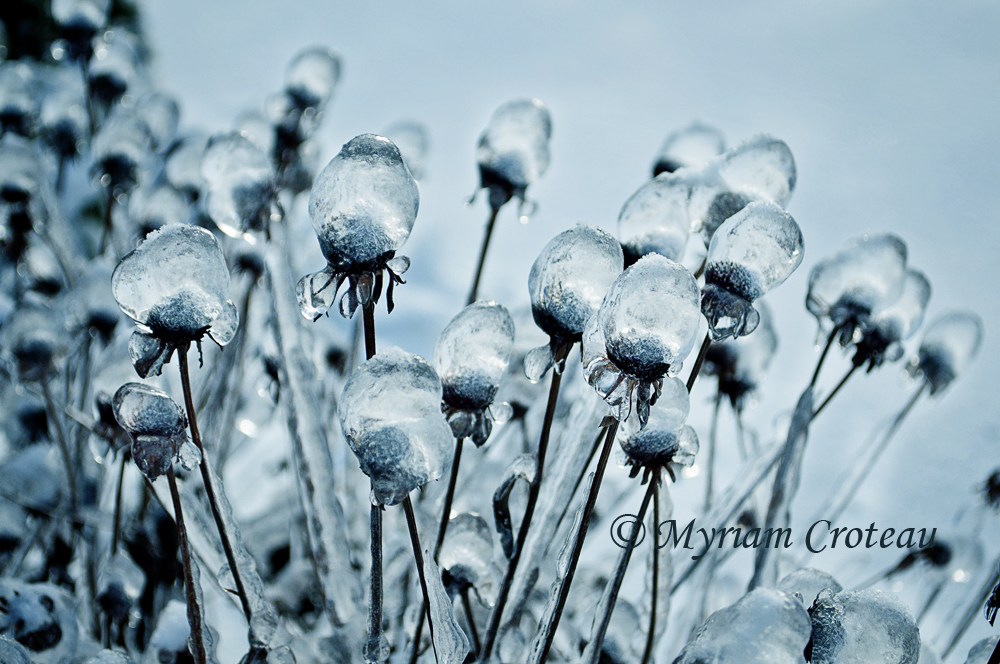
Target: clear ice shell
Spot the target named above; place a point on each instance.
(161, 115)
(183, 164)
(240, 185)
(363, 203)
(569, 278)
(864, 277)
(755, 250)
(176, 286)
(154, 422)
(311, 76)
(901, 319)
(17, 97)
(19, 168)
(121, 148)
(761, 166)
(657, 218)
(665, 438)
(513, 150)
(766, 626)
(86, 15)
(471, 354)
(854, 627)
(808, 583)
(390, 412)
(949, 345)
(691, 147)
(12, 652)
(33, 342)
(980, 653)
(411, 139)
(112, 68)
(450, 643)
(63, 113)
(157, 206)
(467, 555)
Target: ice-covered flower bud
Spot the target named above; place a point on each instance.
(949, 345)
(65, 124)
(121, 149)
(690, 147)
(161, 114)
(79, 21)
(112, 67)
(175, 287)
(363, 205)
(666, 438)
(18, 108)
(154, 422)
(241, 190)
(183, 165)
(20, 186)
(33, 342)
(882, 339)
(467, 557)
(311, 76)
(657, 218)
(858, 281)
(90, 307)
(390, 412)
(471, 357)
(751, 253)
(645, 327)
(741, 363)
(513, 150)
(150, 208)
(411, 139)
(566, 285)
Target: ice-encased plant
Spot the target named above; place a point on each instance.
(18, 108)
(241, 194)
(33, 342)
(154, 422)
(566, 285)
(363, 205)
(858, 281)
(112, 69)
(740, 363)
(863, 625)
(656, 218)
(513, 150)
(80, 20)
(471, 357)
(467, 557)
(690, 147)
(666, 438)
(63, 114)
(752, 252)
(390, 412)
(41, 617)
(175, 287)
(120, 148)
(645, 327)
(311, 76)
(888, 328)
(411, 139)
(949, 345)
(161, 115)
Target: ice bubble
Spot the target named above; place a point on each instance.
(949, 345)
(690, 147)
(895, 323)
(513, 150)
(311, 76)
(241, 191)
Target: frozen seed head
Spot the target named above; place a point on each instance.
(657, 218)
(513, 150)
(18, 108)
(151, 208)
(390, 412)
(949, 345)
(175, 287)
(19, 175)
(183, 164)
(33, 342)
(741, 363)
(154, 422)
(241, 191)
(863, 626)
(412, 140)
(881, 340)
(751, 253)
(113, 66)
(467, 557)
(161, 114)
(690, 147)
(64, 121)
(471, 357)
(311, 76)
(666, 438)
(121, 149)
(808, 583)
(761, 167)
(80, 18)
(858, 281)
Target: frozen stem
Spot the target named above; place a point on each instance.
(700, 360)
(418, 558)
(482, 254)
(193, 608)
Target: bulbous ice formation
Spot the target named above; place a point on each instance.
(863, 626)
(690, 147)
(64, 121)
(657, 218)
(311, 76)
(665, 439)
(741, 363)
(40, 616)
(183, 164)
(112, 68)
(644, 328)
(154, 422)
(765, 627)
(751, 253)
(151, 208)
(881, 340)
(390, 412)
(363, 205)
(949, 345)
(33, 342)
(121, 148)
(18, 108)
(513, 150)
(760, 167)
(808, 583)
(20, 183)
(80, 19)
(241, 191)
(471, 357)
(161, 114)
(857, 282)
(566, 285)
(467, 557)
(175, 287)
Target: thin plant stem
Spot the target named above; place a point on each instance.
(206, 476)
(482, 254)
(549, 630)
(193, 608)
(368, 311)
(375, 606)
(117, 523)
(826, 351)
(469, 618)
(449, 496)
(624, 557)
(418, 558)
(833, 393)
(930, 601)
(651, 633)
(710, 471)
(699, 361)
(529, 509)
(56, 420)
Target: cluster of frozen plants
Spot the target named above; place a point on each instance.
(162, 348)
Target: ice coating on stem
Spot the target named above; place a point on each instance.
(467, 557)
(154, 422)
(765, 627)
(808, 583)
(645, 327)
(861, 279)
(657, 218)
(121, 148)
(752, 252)
(949, 345)
(449, 640)
(690, 147)
(241, 191)
(665, 438)
(41, 617)
(513, 150)
(411, 139)
(741, 363)
(854, 627)
(890, 326)
(175, 287)
(311, 76)
(471, 357)
(363, 205)
(390, 412)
